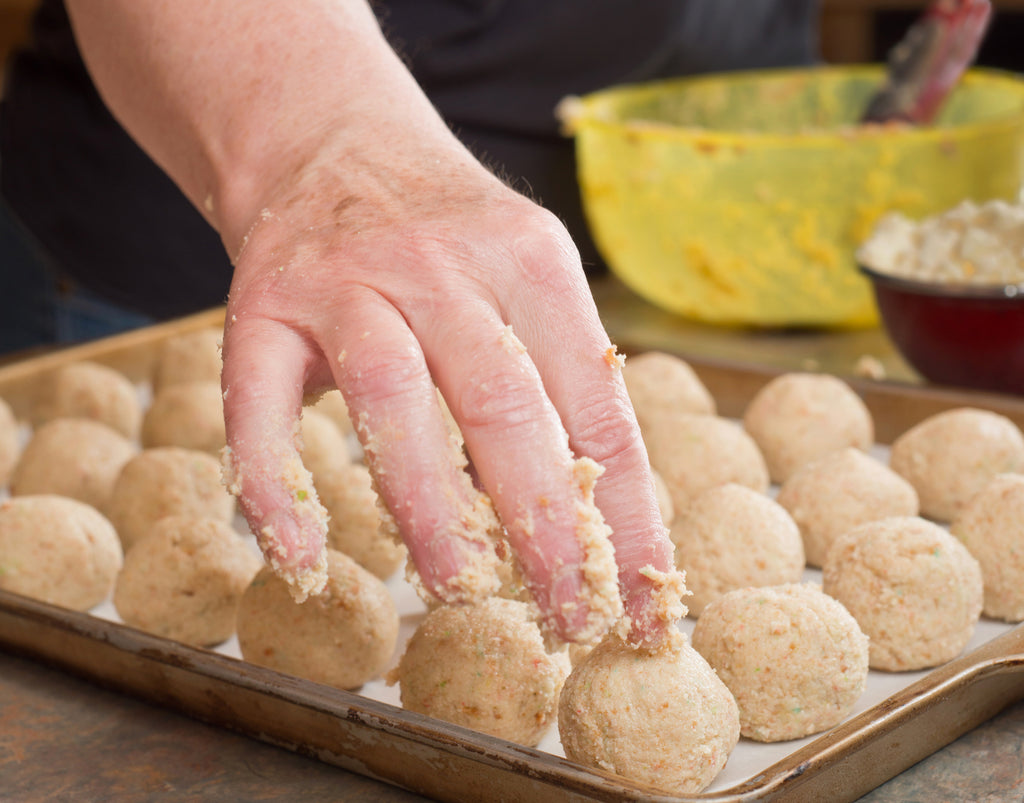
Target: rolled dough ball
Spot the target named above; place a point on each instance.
(163, 482)
(189, 415)
(355, 527)
(839, 491)
(483, 666)
(57, 550)
(732, 537)
(798, 417)
(10, 443)
(332, 404)
(794, 658)
(913, 588)
(697, 452)
(75, 457)
(342, 637)
(183, 580)
(663, 719)
(87, 389)
(991, 526)
(952, 455)
(323, 445)
(189, 357)
(662, 385)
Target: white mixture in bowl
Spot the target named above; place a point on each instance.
(971, 243)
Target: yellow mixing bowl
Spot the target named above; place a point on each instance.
(741, 198)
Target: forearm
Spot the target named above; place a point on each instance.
(230, 97)
(389, 263)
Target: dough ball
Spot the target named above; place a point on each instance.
(798, 417)
(662, 385)
(189, 415)
(697, 452)
(952, 455)
(10, 443)
(57, 550)
(163, 482)
(189, 357)
(354, 526)
(664, 497)
(577, 652)
(732, 537)
(343, 637)
(991, 526)
(324, 448)
(87, 389)
(483, 666)
(913, 588)
(839, 491)
(794, 658)
(183, 580)
(332, 404)
(663, 719)
(75, 457)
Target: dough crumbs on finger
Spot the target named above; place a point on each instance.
(230, 472)
(613, 359)
(474, 528)
(478, 578)
(303, 581)
(478, 529)
(667, 607)
(600, 587)
(512, 343)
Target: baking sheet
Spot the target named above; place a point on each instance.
(748, 760)
(901, 718)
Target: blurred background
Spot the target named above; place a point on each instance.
(851, 31)
(856, 31)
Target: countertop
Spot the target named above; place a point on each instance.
(65, 739)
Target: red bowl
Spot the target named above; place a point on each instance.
(961, 335)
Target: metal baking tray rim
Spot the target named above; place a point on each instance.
(348, 730)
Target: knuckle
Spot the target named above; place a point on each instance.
(545, 251)
(607, 433)
(494, 400)
(395, 372)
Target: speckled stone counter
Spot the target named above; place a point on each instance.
(64, 739)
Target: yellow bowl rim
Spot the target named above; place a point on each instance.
(585, 112)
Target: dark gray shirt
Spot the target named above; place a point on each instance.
(110, 220)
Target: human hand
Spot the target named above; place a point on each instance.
(449, 279)
(372, 252)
